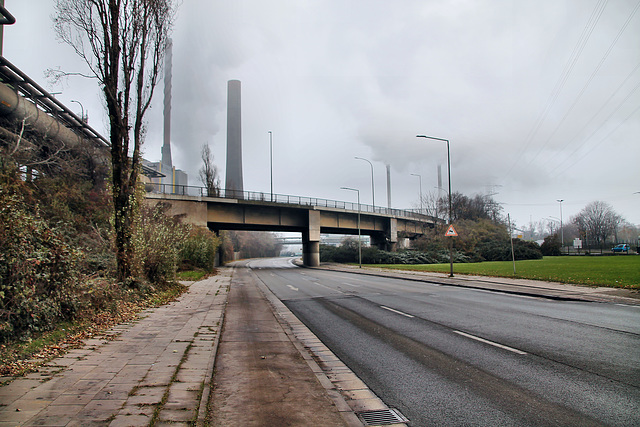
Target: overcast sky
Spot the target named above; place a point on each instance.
(540, 99)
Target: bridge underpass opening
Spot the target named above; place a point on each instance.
(307, 249)
(292, 242)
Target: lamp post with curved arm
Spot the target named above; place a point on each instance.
(373, 188)
(450, 208)
(359, 240)
(81, 109)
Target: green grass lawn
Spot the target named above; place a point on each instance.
(621, 271)
(191, 275)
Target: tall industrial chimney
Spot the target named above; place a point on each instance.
(167, 163)
(233, 182)
(389, 186)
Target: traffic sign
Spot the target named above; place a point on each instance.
(451, 232)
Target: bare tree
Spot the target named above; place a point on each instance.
(122, 42)
(209, 173)
(432, 206)
(597, 221)
(472, 208)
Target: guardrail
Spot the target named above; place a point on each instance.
(189, 190)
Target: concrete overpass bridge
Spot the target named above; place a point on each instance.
(24, 101)
(233, 210)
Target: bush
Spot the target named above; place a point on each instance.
(370, 255)
(551, 246)
(501, 251)
(199, 250)
(38, 270)
(526, 250)
(158, 240)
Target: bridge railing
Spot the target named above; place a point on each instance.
(189, 190)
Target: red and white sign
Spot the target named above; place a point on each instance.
(451, 232)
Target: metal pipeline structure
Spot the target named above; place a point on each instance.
(23, 100)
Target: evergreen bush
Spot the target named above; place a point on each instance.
(551, 246)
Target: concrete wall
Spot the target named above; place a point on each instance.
(187, 210)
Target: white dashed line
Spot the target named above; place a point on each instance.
(495, 344)
(396, 311)
(351, 284)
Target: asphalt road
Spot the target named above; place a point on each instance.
(452, 356)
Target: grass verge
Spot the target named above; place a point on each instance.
(192, 275)
(613, 271)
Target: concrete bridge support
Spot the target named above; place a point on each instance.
(387, 240)
(311, 241)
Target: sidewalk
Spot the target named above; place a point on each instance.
(159, 369)
(261, 377)
(155, 369)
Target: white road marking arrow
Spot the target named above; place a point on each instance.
(293, 288)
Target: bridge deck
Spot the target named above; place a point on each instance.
(285, 199)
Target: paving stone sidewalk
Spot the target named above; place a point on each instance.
(157, 368)
(262, 377)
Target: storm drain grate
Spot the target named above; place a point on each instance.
(381, 417)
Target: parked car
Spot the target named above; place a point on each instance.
(623, 247)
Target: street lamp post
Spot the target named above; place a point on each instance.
(555, 220)
(271, 160)
(373, 189)
(359, 240)
(450, 208)
(561, 228)
(420, 178)
(81, 109)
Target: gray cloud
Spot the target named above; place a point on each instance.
(335, 79)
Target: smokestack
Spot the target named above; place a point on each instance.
(389, 186)
(234, 181)
(167, 164)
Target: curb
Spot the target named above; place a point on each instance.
(203, 405)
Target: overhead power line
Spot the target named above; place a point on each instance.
(589, 80)
(592, 118)
(607, 136)
(573, 58)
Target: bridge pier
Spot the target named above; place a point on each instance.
(311, 253)
(311, 240)
(387, 241)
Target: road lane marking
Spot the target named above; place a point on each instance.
(326, 287)
(351, 284)
(628, 305)
(293, 288)
(495, 344)
(396, 311)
